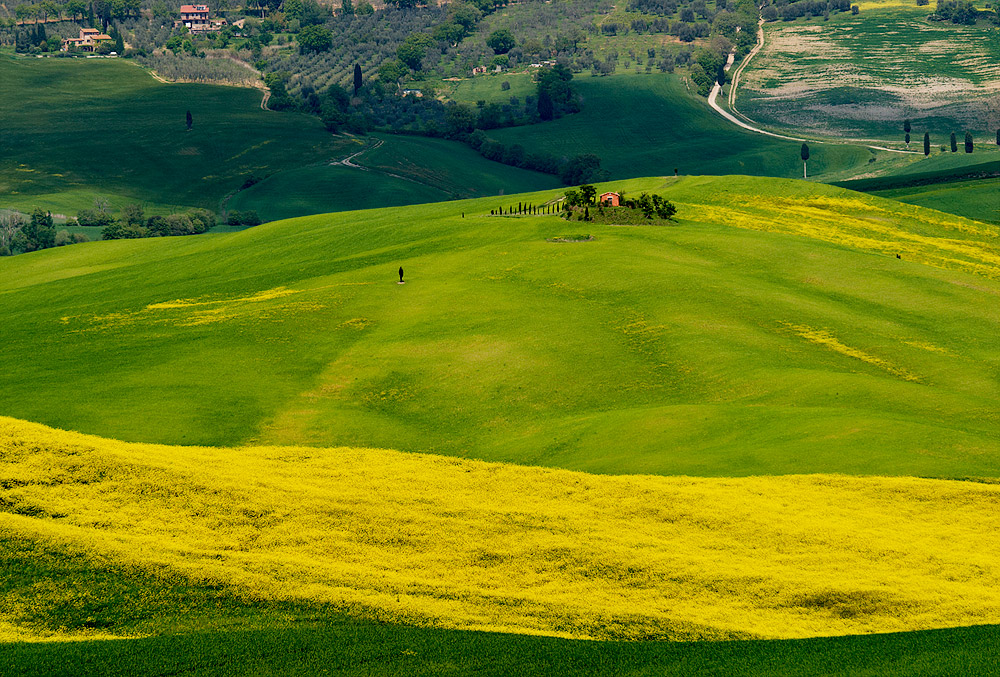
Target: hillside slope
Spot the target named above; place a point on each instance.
(772, 330)
(76, 129)
(430, 540)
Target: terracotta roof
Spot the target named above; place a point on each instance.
(88, 31)
(190, 9)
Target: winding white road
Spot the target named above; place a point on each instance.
(745, 124)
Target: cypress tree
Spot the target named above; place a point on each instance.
(190, 120)
(357, 78)
(906, 129)
(968, 142)
(927, 143)
(954, 143)
(804, 154)
(998, 137)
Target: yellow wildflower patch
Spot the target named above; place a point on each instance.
(194, 312)
(466, 544)
(932, 238)
(824, 338)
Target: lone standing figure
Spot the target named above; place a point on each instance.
(401, 274)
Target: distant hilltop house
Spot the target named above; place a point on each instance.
(479, 70)
(413, 92)
(88, 41)
(196, 19)
(611, 199)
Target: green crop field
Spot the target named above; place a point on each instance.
(73, 130)
(943, 182)
(667, 128)
(397, 170)
(976, 199)
(860, 76)
(580, 355)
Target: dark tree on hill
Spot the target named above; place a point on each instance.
(998, 137)
(357, 78)
(40, 232)
(804, 154)
(546, 110)
(968, 142)
(314, 39)
(954, 143)
(907, 139)
(906, 129)
(927, 143)
(501, 41)
(190, 120)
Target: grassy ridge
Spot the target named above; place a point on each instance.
(431, 540)
(666, 127)
(105, 127)
(969, 190)
(774, 319)
(976, 199)
(403, 170)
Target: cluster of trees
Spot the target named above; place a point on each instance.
(647, 205)
(132, 223)
(77, 10)
(248, 217)
(19, 235)
(789, 10)
(962, 12)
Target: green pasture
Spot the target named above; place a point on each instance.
(647, 125)
(670, 350)
(940, 75)
(74, 129)
(403, 170)
(182, 627)
(942, 182)
(488, 88)
(975, 199)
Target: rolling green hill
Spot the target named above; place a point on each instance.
(773, 319)
(75, 129)
(970, 190)
(772, 330)
(665, 128)
(397, 170)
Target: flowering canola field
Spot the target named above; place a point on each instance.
(449, 542)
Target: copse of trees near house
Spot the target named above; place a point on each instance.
(584, 204)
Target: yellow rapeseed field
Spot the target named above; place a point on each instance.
(466, 544)
(944, 242)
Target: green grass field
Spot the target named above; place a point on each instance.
(976, 199)
(771, 331)
(76, 129)
(943, 183)
(668, 128)
(774, 337)
(403, 170)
